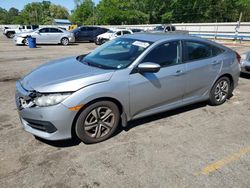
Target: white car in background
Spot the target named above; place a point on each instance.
(46, 35)
(112, 34)
(10, 32)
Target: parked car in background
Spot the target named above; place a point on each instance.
(245, 63)
(10, 32)
(164, 28)
(88, 33)
(112, 34)
(46, 35)
(168, 29)
(130, 77)
(134, 30)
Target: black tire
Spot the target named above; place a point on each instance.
(65, 41)
(220, 91)
(26, 41)
(103, 41)
(93, 126)
(10, 35)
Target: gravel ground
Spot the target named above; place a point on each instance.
(195, 146)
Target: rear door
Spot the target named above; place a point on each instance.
(203, 66)
(54, 35)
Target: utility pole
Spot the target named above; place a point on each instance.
(237, 28)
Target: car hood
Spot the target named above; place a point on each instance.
(64, 75)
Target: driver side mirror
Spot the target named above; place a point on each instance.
(148, 67)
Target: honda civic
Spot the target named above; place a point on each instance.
(124, 79)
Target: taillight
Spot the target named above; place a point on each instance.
(238, 57)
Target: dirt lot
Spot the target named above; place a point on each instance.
(196, 146)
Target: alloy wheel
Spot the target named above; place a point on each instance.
(99, 122)
(221, 91)
(65, 41)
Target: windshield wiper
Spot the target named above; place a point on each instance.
(97, 65)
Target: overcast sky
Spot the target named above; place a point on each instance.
(19, 4)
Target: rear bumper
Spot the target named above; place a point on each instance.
(72, 39)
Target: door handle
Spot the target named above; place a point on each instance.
(179, 73)
(216, 62)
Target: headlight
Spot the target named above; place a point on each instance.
(50, 99)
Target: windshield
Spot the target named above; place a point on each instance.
(116, 54)
(159, 28)
(110, 31)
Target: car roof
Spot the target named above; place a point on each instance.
(154, 37)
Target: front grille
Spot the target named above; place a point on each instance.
(41, 125)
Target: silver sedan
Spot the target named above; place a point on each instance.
(127, 78)
(46, 35)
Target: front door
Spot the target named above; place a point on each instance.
(151, 92)
(42, 35)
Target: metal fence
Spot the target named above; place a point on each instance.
(232, 30)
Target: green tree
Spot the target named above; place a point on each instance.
(3, 16)
(43, 13)
(13, 16)
(244, 7)
(117, 12)
(84, 13)
(57, 11)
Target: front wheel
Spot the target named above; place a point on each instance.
(220, 91)
(65, 41)
(26, 42)
(97, 122)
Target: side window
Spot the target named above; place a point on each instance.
(119, 33)
(168, 28)
(34, 26)
(165, 54)
(83, 29)
(28, 27)
(44, 30)
(216, 51)
(196, 50)
(55, 30)
(126, 32)
(90, 29)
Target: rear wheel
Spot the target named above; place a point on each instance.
(220, 91)
(10, 35)
(97, 122)
(65, 41)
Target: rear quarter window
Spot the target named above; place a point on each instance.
(198, 50)
(216, 50)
